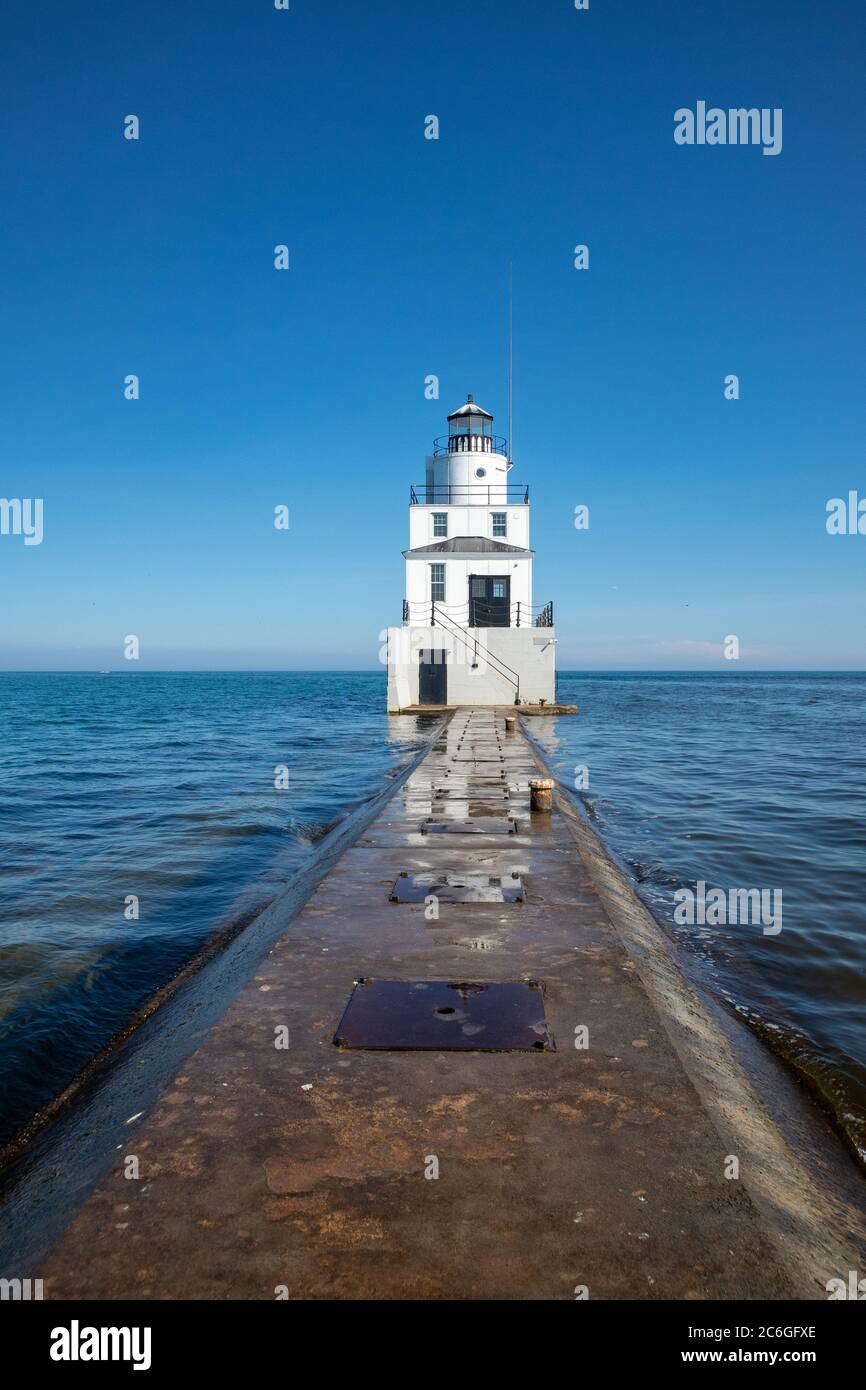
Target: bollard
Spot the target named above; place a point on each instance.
(510, 722)
(541, 789)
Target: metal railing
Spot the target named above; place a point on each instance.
(470, 444)
(474, 494)
(423, 613)
(501, 667)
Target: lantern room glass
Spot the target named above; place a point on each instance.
(471, 424)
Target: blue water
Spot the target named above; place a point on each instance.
(162, 787)
(743, 781)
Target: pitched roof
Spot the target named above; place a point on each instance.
(468, 545)
(470, 408)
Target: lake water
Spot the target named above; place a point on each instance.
(160, 787)
(163, 787)
(743, 781)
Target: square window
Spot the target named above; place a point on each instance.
(500, 523)
(440, 523)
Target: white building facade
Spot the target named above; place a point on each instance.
(471, 634)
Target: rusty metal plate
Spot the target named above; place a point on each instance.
(455, 887)
(445, 1016)
(481, 825)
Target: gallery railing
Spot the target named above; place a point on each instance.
(470, 444)
(471, 494)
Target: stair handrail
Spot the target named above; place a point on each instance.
(501, 666)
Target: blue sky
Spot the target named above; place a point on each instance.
(306, 387)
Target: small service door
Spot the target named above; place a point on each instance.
(432, 676)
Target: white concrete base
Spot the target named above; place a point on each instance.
(478, 664)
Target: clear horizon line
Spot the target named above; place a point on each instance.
(378, 671)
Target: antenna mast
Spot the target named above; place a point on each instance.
(510, 367)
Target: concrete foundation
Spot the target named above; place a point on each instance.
(484, 666)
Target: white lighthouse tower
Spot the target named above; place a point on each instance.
(471, 634)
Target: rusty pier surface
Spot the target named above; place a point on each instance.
(556, 1171)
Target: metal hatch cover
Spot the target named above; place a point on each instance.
(482, 758)
(480, 825)
(465, 809)
(444, 1016)
(481, 783)
(491, 791)
(456, 887)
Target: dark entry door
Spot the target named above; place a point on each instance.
(432, 677)
(489, 600)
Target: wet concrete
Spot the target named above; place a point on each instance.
(461, 1174)
(498, 709)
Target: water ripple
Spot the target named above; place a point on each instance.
(744, 781)
(158, 788)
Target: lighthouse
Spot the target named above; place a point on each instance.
(471, 633)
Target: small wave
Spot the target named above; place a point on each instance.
(823, 1078)
(310, 832)
(249, 828)
(656, 874)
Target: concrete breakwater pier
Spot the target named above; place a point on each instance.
(469, 1069)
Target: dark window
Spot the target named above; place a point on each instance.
(440, 524)
(437, 583)
(500, 523)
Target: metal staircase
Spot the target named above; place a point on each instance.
(469, 643)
